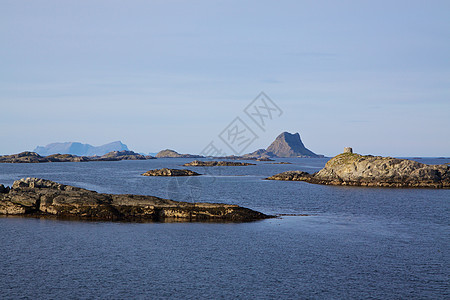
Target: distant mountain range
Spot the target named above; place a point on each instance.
(79, 149)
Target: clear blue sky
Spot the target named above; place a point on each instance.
(374, 75)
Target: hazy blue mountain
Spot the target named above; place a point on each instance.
(79, 149)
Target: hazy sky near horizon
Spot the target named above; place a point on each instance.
(374, 75)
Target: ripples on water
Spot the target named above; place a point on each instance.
(355, 243)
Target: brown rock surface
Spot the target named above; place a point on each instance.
(45, 198)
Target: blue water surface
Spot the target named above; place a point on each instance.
(354, 242)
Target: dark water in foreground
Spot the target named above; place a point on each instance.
(355, 243)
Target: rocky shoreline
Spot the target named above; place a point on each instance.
(45, 198)
(351, 169)
(33, 157)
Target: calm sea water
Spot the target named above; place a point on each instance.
(354, 243)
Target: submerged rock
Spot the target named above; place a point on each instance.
(170, 172)
(376, 171)
(199, 163)
(40, 197)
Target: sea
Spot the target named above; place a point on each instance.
(327, 242)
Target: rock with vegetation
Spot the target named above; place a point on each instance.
(170, 172)
(213, 163)
(45, 198)
(173, 154)
(375, 171)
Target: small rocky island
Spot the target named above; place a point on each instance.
(170, 172)
(168, 153)
(353, 169)
(44, 198)
(213, 163)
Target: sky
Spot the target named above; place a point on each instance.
(373, 75)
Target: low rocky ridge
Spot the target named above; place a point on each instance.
(40, 197)
(375, 171)
(199, 163)
(33, 157)
(173, 154)
(170, 172)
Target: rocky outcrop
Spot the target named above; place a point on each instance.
(199, 163)
(173, 154)
(45, 198)
(375, 171)
(285, 145)
(170, 172)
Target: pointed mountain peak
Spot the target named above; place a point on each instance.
(289, 145)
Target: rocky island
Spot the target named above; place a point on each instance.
(168, 153)
(45, 198)
(170, 172)
(354, 169)
(213, 163)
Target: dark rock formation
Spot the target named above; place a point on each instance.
(40, 197)
(375, 171)
(170, 172)
(281, 163)
(198, 163)
(79, 149)
(173, 154)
